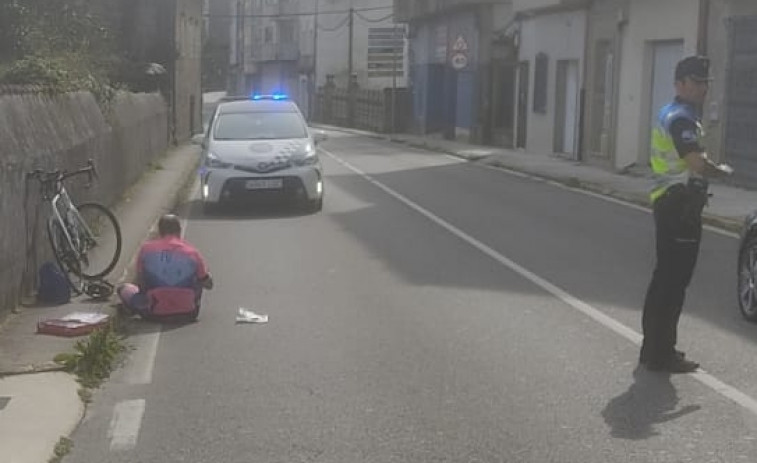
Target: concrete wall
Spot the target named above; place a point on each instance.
(562, 37)
(63, 133)
(648, 21)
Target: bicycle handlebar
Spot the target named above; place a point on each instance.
(60, 175)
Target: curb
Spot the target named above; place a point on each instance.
(187, 180)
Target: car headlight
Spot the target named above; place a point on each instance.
(308, 157)
(213, 161)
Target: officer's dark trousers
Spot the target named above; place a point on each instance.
(678, 223)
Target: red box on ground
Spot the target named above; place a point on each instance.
(73, 324)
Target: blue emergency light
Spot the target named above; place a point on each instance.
(275, 96)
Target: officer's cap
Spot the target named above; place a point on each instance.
(694, 67)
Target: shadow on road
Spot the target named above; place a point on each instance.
(651, 399)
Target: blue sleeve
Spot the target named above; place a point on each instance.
(685, 134)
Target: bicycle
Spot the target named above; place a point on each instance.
(85, 239)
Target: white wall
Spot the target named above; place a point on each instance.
(332, 53)
(648, 21)
(562, 37)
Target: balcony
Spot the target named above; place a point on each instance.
(408, 10)
(525, 6)
(288, 51)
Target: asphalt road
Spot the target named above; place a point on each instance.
(435, 311)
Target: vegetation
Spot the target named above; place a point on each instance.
(63, 45)
(94, 357)
(62, 448)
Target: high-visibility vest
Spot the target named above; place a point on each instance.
(669, 168)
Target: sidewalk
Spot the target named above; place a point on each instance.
(727, 210)
(37, 409)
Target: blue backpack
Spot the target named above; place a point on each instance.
(53, 285)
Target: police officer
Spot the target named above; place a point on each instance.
(681, 167)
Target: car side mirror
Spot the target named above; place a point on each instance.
(320, 136)
(198, 139)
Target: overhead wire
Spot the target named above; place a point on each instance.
(283, 15)
(374, 20)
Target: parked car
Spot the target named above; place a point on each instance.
(747, 269)
(260, 148)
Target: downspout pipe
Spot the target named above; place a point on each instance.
(703, 29)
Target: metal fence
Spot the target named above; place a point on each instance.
(364, 109)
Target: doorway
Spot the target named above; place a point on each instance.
(524, 82)
(566, 111)
(665, 56)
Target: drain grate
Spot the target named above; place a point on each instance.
(4, 402)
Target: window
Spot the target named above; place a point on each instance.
(286, 31)
(259, 126)
(386, 51)
(541, 73)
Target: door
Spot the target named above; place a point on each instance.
(566, 113)
(450, 103)
(665, 56)
(524, 83)
(741, 100)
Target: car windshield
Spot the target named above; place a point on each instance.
(259, 126)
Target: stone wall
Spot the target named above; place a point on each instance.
(63, 132)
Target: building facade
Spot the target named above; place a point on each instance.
(551, 60)
(461, 68)
(169, 33)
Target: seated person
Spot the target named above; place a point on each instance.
(171, 275)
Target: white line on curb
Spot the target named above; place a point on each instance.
(125, 424)
(142, 363)
(600, 317)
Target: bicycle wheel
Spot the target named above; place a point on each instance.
(64, 255)
(747, 280)
(99, 240)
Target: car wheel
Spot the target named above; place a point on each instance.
(747, 279)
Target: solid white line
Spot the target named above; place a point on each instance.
(125, 424)
(702, 376)
(142, 363)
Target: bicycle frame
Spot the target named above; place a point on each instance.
(61, 204)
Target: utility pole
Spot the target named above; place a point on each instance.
(239, 45)
(313, 87)
(351, 40)
(394, 78)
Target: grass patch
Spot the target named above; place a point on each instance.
(155, 165)
(94, 357)
(62, 448)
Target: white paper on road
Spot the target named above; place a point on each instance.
(248, 316)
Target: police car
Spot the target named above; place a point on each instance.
(259, 148)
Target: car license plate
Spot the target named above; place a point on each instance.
(265, 184)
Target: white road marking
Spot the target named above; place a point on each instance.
(142, 362)
(702, 376)
(125, 424)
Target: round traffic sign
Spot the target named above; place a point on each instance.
(459, 61)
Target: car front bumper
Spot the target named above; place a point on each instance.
(230, 185)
